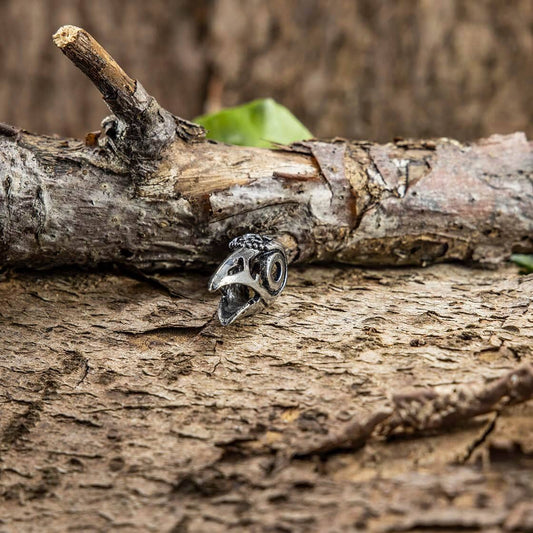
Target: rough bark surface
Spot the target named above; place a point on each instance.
(163, 196)
(404, 203)
(126, 409)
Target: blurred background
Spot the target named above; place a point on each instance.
(371, 69)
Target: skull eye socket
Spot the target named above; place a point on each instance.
(239, 267)
(275, 272)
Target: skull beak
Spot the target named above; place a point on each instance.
(237, 301)
(231, 271)
(234, 281)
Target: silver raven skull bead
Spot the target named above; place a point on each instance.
(250, 277)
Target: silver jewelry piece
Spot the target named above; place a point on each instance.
(250, 277)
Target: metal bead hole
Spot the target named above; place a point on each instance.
(277, 271)
(239, 267)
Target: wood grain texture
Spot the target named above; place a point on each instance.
(123, 407)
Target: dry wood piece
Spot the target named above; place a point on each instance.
(144, 127)
(161, 196)
(430, 409)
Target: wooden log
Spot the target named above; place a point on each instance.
(162, 196)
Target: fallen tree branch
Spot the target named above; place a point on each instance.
(153, 193)
(430, 409)
(144, 127)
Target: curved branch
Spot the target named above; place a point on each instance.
(430, 409)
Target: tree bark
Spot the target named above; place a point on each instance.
(125, 408)
(162, 196)
(360, 69)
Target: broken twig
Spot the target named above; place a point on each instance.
(430, 409)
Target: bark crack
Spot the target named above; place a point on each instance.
(481, 439)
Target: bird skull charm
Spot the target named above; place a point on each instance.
(250, 277)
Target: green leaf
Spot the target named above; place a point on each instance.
(258, 123)
(524, 261)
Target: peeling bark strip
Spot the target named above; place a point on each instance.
(161, 196)
(330, 158)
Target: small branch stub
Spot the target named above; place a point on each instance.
(146, 127)
(87, 54)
